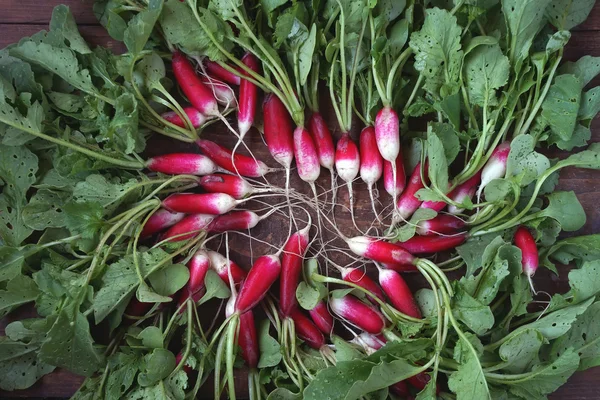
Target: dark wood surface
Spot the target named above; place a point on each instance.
(20, 18)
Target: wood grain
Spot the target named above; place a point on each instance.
(25, 17)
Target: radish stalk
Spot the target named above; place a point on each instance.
(371, 162)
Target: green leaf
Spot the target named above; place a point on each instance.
(124, 368)
(151, 337)
(62, 22)
(557, 42)
(580, 138)
(70, 345)
(172, 388)
(585, 281)
(215, 287)
(545, 378)
(584, 337)
(97, 189)
(438, 54)
(345, 351)
(122, 132)
(446, 133)
(585, 69)
(475, 315)
(45, 210)
(567, 14)
(590, 104)
(167, 281)
(486, 70)
(270, 349)
(19, 365)
(521, 351)
(85, 219)
(498, 190)
(524, 162)
(561, 106)
(473, 250)
(308, 296)
(566, 209)
(408, 230)
(469, 382)
(19, 290)
(120, 281)
(18, 167)
(524, 19)
(438, 165)
(580, 248)
(140, 27)
(158, 365)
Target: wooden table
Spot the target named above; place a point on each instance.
(20, 18)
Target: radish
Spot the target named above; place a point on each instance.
(306, 330)
(199, 95)
(221, 91)
(371, 163)
(236, 221)
(194, 288)
(204, 203)
(436, 206)
(248, 96)
(323, 143)
(186, 368)
(347, 164)
(398, 292)
(495, 168)
(394, 186)
(387, 134)
(233, 185)
(218, 72)
(223, 267)
(529, 252)
(400, 267)
(262, 275)
(307, 159)
(248, 340)
(236, 163)
(357, 313)
(380, 251)
(442, 224)
(420, 380)
(374, 342)
(464, 191)
(360, 278)
(160, 220)
(291, 267)
(188, 227)
(432, 244)
(400, 389)
(182, 163)
(408, 203)
(278, 130)
(136, 308)
(196, 117)
(322, 318)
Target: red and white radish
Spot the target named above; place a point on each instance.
(408, 202)
(223, 267)
(201, 203)
(196, 117)
(324, 145)
(390, 185)
(464, 191)
(188, 227)
(495, 168)
(371, 162)
(236, 163)
(182, 163)
(236, 221)
(306, 330)
(278, 130)
(322, 318)
(440, 225)
(199, 95)
(233, 185)
(307, 159)
(380, 250)
(216, 71)
(194, 288)
(291, 267)
(387, 134)
(360, 278)
(529, 253)
(398, 292)
(247, 339)
(419, 245)
(262, 275)
(248, 97)
(221, 91)
(159, 221)
(347, 164)
(357, 313)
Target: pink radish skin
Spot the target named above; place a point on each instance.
(402, 268)
(306, 330)
(234, 221)
(398, 292)
(248, 97)
(233, 185)
(159, 221)
(436, 206)
(442, 224)
(186, 368)
(262, 275)
(194, 288)
(196, 117)
(464, 191)
(322, 318)
(529, 252)
(419, 245)
(221, 91)
(400, 389)
(307, 159)
(218, 72)
(200, 96)
(221, 266)
(248, 339)
(182, 163)
(322, 139)
(387, 133)
(371, 162)
(360, 278)
(136, 308)
(388, 176)
(204, 203)
(278, 130)
(495, 168)
(374, 342)
(242, 165)
(190, 225)
(380, 251)
(291, 267)
(358, 313)
(408, 202)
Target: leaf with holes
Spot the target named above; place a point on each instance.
(567, 14)
(110, 194)
(566, 209)
(19, 365)
(486, 70)
(44, 210)
(19, 290)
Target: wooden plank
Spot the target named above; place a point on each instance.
(95, 35)
(39, 12)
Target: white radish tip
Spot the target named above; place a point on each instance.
(358, 245)
(244, 127)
